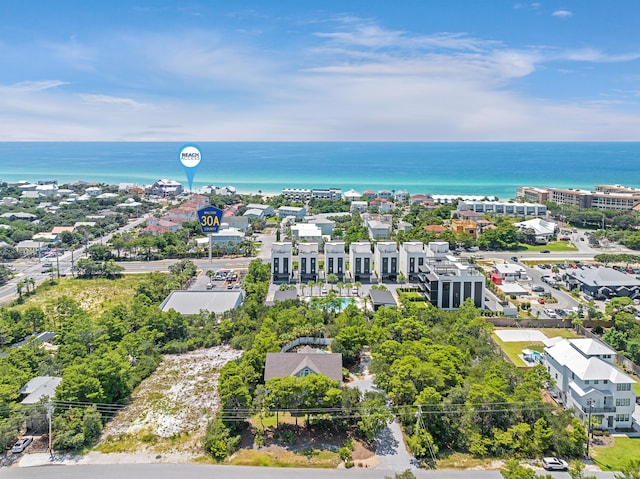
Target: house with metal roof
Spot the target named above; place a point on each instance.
(38, 388)
(303, 363)
(601, 283)
(587, 381)
(195, 302)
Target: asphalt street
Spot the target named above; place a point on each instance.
(179, 471)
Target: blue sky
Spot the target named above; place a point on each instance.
(305, 70)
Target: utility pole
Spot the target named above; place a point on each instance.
(50, 417)
(589, 401)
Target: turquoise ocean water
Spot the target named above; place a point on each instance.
(435, 168)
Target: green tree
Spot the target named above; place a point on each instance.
(76, 428)
(218, 441)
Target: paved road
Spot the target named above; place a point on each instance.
(178, 471)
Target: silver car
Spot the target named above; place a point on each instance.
(554, 464)
(21, 445)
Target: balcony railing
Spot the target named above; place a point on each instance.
(598, 410)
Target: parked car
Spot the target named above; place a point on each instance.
(514, 258)
(209, 285)
(354, 291)
(545, 251)
(554, 464)
(21, 445)
(537, 289)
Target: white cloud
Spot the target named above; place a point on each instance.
(562, 14)
(360, 82)
(109, 100)
(37, 85)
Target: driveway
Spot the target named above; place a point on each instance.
(391, 452)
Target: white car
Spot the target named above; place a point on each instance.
(554, 464)
(21, 445)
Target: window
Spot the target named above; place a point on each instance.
(586, 381)
(623, 402)
(623, 387)
(596, 381)
(606, 381)
(622, 417)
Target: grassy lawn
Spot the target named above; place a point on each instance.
(553, 246)
(562, 332)
(513, 349)
(283, 458)
(636, 389)
(93, 295)
(270, 421)
(616, 457)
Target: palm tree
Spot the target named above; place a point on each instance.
(311, 284)
(340, 285)
(19, 290)
(358, 285)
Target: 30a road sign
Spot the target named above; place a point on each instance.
(210, 218)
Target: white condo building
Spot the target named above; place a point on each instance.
(412, 256)
(360, 259)
(587, 381)
(334, 259)
(447, 282)
(281, 261)
(308, 262)
(385, 261)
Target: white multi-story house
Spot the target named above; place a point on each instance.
(266, 210)
(358, 206)
(587, 381)
(281, 261)
(378, 229)
(306, 232)
(308, 262)
(334, 259)
(503, 208)
(385, 262)
(447, 282)
(296, 194)
(225, 238)
(352, 195)
(412, 256)
(360, 259)
(164, 187)
(297, 212)
(333, 194)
